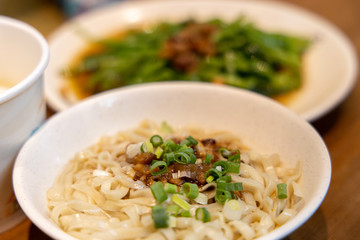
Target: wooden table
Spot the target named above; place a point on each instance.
(339, 215)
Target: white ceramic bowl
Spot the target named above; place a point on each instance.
(263, 124)
(24, 55)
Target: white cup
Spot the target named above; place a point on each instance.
(24, 55)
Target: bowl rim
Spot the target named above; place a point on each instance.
(38, 71)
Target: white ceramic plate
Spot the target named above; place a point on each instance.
(330, 64)
(262, 124)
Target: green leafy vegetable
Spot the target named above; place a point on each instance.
(236, 53)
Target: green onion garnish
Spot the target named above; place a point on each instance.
(146, 147)
(159, 151)
(208, 158)
(282, 191)
(158, 168)
(158, 191)
(169, 158)
(180, 202)
(221, 166)
(221, 196)
(189, 141)
(214, 173)
(169, 145)
(182, 158)
(234, 167)
(192, 158)
(224, 152)
(173, 209)
(209, 179)
(156, 140)
(226, 179)
(185, 214)
(160, 217)
(191, 190)
(231, 186)
(234, 158)
(170, 188)
(202, 214)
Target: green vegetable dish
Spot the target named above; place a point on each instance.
(236, 54)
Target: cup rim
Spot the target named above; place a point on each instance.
(41, 65)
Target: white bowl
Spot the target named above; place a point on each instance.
(263, 124)
(24, 58)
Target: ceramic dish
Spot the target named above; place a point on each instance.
(330, 65)
(260, 122)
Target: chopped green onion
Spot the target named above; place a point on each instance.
(231, 186)
(156, 140)
(192, 140)
(233, 209)
(208, 158)
(189, 141)
(160, 217)
(221, 196)
(192, 158)
(158, 168)
(185, 214)
(224, 152)
(282, 191)
(170, 188)
(221, 166)
(185, 149)
(234, 167)
(233, 204)
(202, 214)
(180, 202)
(191, 190)
(226, 179)
(185, 142)
(234, 158)
(159, 151)
(182, 158)
(169, 158)
(170, 145)
(146, 147)
(213, 172)
(173, 209)
(209, 179)
(158, 191)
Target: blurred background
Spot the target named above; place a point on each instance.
(339, 215)
(46, 15)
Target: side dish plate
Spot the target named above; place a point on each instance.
(330, 65)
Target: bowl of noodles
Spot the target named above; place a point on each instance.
(175, 160)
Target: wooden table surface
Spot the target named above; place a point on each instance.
(339, 215)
